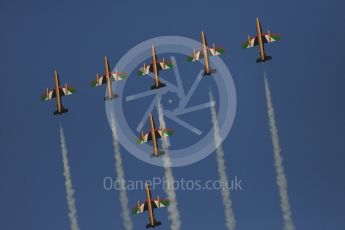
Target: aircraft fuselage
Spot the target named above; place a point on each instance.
(57, 92)
(260, 43)
(155, 70)
(153, 134)
(107, 75)
(204, 50)
(149, 206)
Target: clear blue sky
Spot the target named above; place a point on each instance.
(307, 84)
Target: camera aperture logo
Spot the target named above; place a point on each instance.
(183, 184)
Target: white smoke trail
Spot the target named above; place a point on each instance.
(120, 176)
(68, 183)
(278, 161)
(174, 214)
(229, 214)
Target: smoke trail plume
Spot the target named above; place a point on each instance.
(278, 161)
(68, 183)
(229, 214)
(120, 176)
(174, 214)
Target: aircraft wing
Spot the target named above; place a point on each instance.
(195, 56)
(160, 133)
(251, 42)
(140, 208)
(266, 38)
(161, 65)
(213, 51)
(66, 90)
(156, 203)
(144, 138)
(49, 94)
(117, 76)
(145, 70)
(101, 80)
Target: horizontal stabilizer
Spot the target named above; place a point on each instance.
(212, 71)
(267, 58)
(160, 153)
(156, 224)
(63, 110)
(160, 85)
(114, 96)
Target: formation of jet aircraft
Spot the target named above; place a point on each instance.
(155, 67)
(149, 205)
(153, 135)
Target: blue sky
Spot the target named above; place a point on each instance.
(306, 76)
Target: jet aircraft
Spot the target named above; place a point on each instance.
(154, 68)
(259, 40)
(205, 52)
(57, 93)
(153, 135)
(107, 79)
(149, 205)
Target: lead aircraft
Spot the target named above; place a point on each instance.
(259, 40)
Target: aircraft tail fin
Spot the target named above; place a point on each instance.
(114, 96)
(267, 58)
(156, 224)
